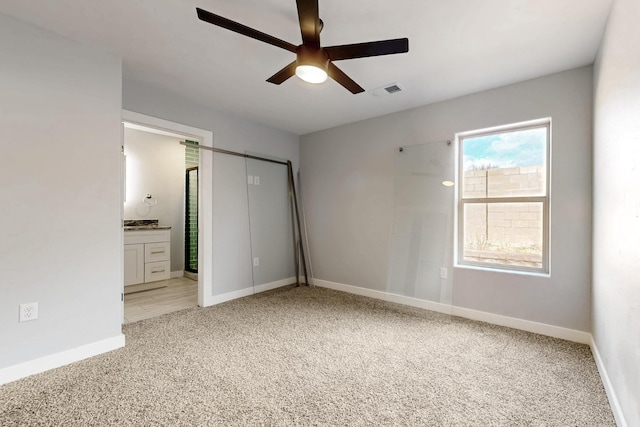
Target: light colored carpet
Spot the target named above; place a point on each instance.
(312, 356)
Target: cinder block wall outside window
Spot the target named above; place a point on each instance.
(513, 226)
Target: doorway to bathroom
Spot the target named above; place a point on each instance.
(163, 208)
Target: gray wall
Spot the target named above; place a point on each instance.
(347, 183)
(60, 194)
(232, 268)
(616, 252)
(156, 165)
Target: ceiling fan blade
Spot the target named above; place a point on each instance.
(243, 29)
(338, 75)
(363, 50)
(309, 18)
(283, 74)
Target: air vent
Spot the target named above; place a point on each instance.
(393, 89)
(388, 89)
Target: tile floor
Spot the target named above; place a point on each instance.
(180, 293)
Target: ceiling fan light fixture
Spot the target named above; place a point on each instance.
(312, 64)
(311, 73)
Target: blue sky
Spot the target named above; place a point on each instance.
(506, 150)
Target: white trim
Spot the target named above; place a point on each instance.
(273, 285)
(205, 197)
(190, 275)
(502, 270)
(608, 387)
(385, 296)
(52, 361)
(506, 128)
(129, 125)
(461, 201)
(176, 274)
(524, 325)
(496, 319)
(245, 292)
(229, 296)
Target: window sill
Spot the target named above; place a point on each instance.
(503, 270)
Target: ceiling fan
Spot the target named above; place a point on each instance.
(313, 63)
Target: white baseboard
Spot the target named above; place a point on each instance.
(274, 285)
(22, 370)
(176, 274)
(228, 296)
(245, 292)
(386, 296)
(496, 319)
(608, 387)
(524, 325)
(190, 275)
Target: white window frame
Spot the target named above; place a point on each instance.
(545, 200)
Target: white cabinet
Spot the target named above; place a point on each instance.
(147, 256)
(133, 264)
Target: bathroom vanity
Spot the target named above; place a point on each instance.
(147, 256)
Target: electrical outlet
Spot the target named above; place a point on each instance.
(256, 180)
(256, 262)
(28, 311)
(443, 272)
(250, 179)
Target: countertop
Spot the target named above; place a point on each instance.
(145, 227)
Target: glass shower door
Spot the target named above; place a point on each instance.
(191, 221)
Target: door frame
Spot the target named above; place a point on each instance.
(205, 196)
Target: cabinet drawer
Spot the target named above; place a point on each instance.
(146, 236)
(160, 270)
(157, 251)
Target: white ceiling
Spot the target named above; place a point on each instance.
(456, 47)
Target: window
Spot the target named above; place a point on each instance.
(503, 197)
